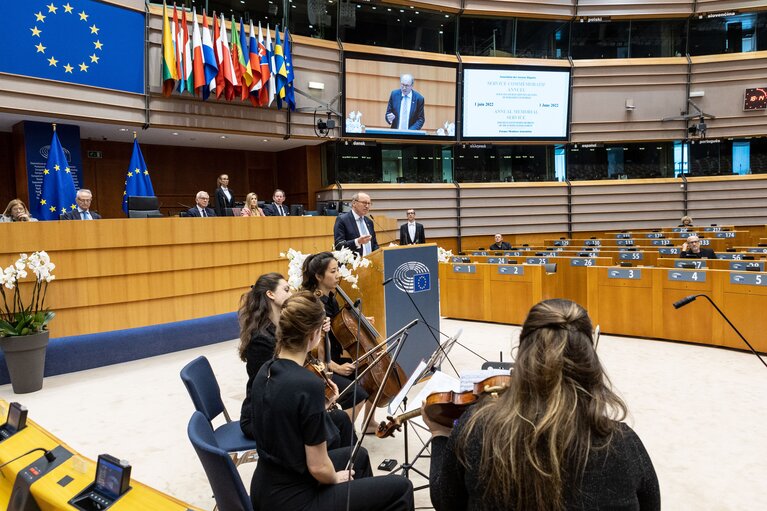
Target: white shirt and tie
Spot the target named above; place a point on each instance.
(411, 230)
(85, 215)
(404, 112)
(202, 211)
(367, 248)
(227, 193)
(280, 209)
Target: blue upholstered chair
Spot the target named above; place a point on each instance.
(203, 388)
(228, 490)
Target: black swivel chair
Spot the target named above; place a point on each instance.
(140, 206)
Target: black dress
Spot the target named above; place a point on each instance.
(619, 477)
(260, 350)
(288, 404)
(336, 355)
(222, 202)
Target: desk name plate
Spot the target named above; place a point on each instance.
(537, 260)
(464, 268)
(581, 261)
(508, 269)
(690, 264)
(738, 265)
(687, 275)
(659, 242)
(631, 256)
(669, 251)
(625, 274)
(724, 234)
(748, 279)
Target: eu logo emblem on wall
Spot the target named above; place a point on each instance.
(78, 41)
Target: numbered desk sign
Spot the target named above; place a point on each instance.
(631, 256)
(457, 259)
(496, 260)
(739, 266)
(622, 273)
(760, 250)
(654, 235)
(690, 263)
(748, 279)
(562, 243)
(680, 229)
(592, 243)
(581, 261)
(704, 242)
(687, 275)
(464, 268)
(623, 236)
(512, 254)
(669, 251)
(479, 253)
(712, 229)
(660, 242)
(537, 260)
(724, 234)
(511, 269)
(624, 243)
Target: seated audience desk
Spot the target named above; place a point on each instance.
(126, 273)
(624, 301)
(48, 491)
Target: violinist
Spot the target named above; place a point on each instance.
(554, 440)
(321, 278)
(259, 313)
(295, 470)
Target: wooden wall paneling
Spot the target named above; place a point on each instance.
(463, 294)
(623, 304)
(14, 183)
(728, 201)
(691, 323)
(509, 297)
(745, 306)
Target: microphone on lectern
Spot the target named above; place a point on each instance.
(684, 301)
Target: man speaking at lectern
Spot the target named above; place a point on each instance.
(354, 230)
(405, 108)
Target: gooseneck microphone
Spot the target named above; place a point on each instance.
(387, 281)
(687, 299)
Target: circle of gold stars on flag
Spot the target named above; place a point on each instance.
(38, 33)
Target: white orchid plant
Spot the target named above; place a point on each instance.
(348, 264)
(17, 318)
(444, 256)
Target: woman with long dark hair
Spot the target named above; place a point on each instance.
(321, 278)
(258, 315)
(554, 441)
(296, 471)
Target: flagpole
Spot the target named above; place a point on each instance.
(54, 126)
(134, 136)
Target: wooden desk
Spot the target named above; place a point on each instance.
(127, 273)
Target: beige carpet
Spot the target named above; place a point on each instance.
(700, 412)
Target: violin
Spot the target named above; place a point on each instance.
(318, 369)
(366, 340)
(445, 408)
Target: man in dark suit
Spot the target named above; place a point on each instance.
(500, 244)
(405, 108)
(277, 208)
(691, 249)
(224, 196)
(411, 233)
(354, 230)
(83, 199)
(201, 210)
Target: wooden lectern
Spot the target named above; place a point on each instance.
(414, 287)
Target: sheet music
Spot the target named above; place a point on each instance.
(439, 382)
(394, 403)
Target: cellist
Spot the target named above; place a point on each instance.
(321, 278)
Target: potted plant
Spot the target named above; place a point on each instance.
(23, 327)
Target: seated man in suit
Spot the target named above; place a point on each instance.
(83, 199)
(411, 233)
(354, 230)
(201, 210)
(691, 249)
(500, 244)
(405, 108)
(277, 208)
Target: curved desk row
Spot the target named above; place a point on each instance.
(623, 301)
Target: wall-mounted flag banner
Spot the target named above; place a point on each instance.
(77, 41)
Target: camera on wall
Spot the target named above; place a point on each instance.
(698, 129)
(323, 126)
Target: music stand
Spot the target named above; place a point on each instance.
(439, 356)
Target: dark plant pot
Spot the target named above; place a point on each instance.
(25, 357)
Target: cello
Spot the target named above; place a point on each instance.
(366, 340)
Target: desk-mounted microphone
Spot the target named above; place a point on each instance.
(684, 301)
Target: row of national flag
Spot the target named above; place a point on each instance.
(58, 189)
(248, 68)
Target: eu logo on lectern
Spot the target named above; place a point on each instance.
(77, 41)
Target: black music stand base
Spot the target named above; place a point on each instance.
(406, 466)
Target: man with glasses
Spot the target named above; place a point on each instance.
(412, 232)
(405, 109)
(83, 199)
(692, 249)
(354, 230)
(201, 210)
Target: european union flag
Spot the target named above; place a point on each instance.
(138, 182)
(421, 282)
(58, 195)
(84, 42)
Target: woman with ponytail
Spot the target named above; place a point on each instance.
(296, 471)
(554, 440)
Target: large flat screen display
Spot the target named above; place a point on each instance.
(515, 103)
(385, 97)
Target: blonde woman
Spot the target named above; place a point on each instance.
(16, 211)
(251, 206)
